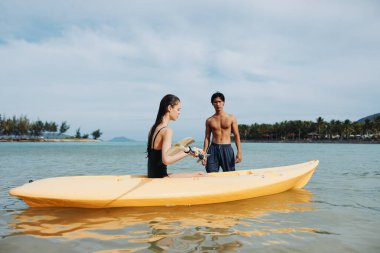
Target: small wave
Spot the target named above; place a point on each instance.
(331, 204)
(356, 205)
(369, 207)
(362, 173)
(324, 232)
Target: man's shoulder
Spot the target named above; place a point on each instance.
(230, 115)
(212, 117)
(216, 117)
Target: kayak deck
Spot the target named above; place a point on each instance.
(138, 190)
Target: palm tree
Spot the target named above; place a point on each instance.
(332, 128)
(284, 129)
(320, 124)
(23, 125)
(339, 128)
(376, 125)
(367, 127)
(50, 127)
(275, 130)
(8, 127)
(96, 134)
(347, 128)
(77, 134)
(64, 127)
(36, 128)
(1, 124)
(243, 131)
(253, 133)
(357, 128)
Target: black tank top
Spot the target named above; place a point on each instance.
(156, 168)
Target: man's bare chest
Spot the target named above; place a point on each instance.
(220, 123)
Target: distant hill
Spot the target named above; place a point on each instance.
(371, 117)
(121, 139)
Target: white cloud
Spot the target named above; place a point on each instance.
(107, 64)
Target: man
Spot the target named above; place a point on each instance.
(221, 125)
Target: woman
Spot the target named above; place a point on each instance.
(160, 139)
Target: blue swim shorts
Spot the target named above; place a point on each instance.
(220, 155)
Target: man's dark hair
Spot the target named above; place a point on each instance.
(217, 95)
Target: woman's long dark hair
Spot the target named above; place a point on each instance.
(165, 102)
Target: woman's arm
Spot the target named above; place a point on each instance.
(166, 145)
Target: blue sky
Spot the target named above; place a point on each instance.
(107, 64)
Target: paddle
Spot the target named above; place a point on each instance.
(183, 145)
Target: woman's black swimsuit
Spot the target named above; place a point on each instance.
(156, 168)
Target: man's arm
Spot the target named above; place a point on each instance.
(235, 131)
(206, 142)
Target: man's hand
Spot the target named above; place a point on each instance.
(238, 158)
(204, 161)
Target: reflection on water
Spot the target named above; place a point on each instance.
(204, 227)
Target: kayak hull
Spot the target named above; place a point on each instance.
(137, 190)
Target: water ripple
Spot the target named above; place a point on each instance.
(356, 205)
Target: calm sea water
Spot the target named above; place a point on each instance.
(338, 211)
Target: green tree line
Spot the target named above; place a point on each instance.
(22, 126)
(320, 130)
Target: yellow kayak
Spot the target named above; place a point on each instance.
(138, 190)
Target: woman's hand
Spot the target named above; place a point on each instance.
(198, 152)
(195, 152)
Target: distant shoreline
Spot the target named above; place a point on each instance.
(242, 141)
(46, 140)
(315, 141)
